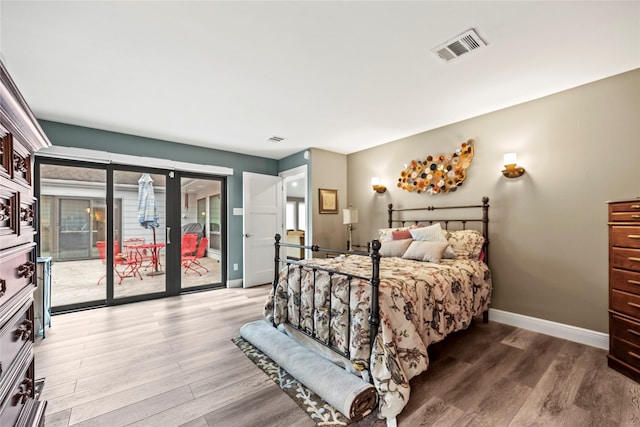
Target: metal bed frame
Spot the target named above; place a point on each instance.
(374, 279)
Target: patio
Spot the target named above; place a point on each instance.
(74, 282)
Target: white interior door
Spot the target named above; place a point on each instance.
(262, 219)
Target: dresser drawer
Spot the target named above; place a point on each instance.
(628, 259)
(623, 280)
(626, 237)
(625, 211)
(624, 329)
(626, 352)
(14, 335)
(17, 271)
(17, 216)
(19, 394)
(625, 303)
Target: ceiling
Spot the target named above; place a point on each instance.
(342, 76)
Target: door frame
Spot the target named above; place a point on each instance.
(290, 175)
(176, 281)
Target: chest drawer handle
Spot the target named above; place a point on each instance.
(26, 390)
(635, 206)
(635, 216)
(633, 236)
(633, 304)
(3, 287)
(633, 282)
(24, 330)
(632, 332)
(634, 259)
(634, 355)
(27, 269)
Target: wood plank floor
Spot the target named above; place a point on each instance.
(170, 362)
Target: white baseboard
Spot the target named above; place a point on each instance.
(559, 330)
(236, 283)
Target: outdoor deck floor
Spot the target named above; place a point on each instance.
(74, 282)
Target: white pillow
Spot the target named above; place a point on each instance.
(426, 251)
(395, 248)
(433, 233)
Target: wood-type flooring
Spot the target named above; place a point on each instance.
(171, 362)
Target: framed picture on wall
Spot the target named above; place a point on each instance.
(328, 201)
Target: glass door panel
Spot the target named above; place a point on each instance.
(72, 222)
(74, 231)
(202, 221)
(139, 232)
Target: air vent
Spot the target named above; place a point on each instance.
(276, 139)
(459, 45)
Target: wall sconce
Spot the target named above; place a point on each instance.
(511, 169)
(375, 183)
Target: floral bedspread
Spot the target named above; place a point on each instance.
(420, 304)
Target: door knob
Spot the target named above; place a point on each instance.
(248, 235)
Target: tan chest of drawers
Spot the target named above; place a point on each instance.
(20, 137)
(624, 287)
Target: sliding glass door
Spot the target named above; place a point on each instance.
(72, 219)
(116, 234)
(139, 234)
(202, 222)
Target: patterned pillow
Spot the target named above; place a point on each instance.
(395, 248)
(466, 243)
(426, 251)
(433, 233)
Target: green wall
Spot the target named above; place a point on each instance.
(94, 139)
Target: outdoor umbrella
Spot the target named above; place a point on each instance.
(147, 213)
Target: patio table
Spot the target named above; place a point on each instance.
(154, 249)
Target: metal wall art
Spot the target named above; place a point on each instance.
(438, 174)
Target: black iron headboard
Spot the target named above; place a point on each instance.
(462, 222)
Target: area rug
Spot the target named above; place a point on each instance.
(320, 411)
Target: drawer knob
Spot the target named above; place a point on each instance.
(27, 269)
(4, 212)
(26, 390)
(26, 215)
(24, 331)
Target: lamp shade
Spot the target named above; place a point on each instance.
(350, 216)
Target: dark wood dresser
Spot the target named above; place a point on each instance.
(20, 137)
(624, 287)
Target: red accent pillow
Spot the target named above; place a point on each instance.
(401, 234)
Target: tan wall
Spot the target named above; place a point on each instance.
(548, 229)
(328, 170)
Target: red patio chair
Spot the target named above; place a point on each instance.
(123, 266)
(191, 261)
(188, 249)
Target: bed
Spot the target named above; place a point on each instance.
(424, 278)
